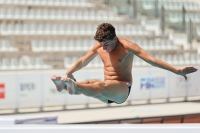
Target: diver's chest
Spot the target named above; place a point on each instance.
(114, 58)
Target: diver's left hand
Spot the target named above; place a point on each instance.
(186, 70)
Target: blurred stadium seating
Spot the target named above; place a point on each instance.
(47, 26)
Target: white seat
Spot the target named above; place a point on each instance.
(24, 14)
(10, 29)
(79, 15)
(168, 44)
(43, 2)
(86, 15)
(32, 14)
(62, 29)
(198, 30)
(23, 63)
(66, 14)
(151, 45)
(3, 28)
(10, 13)
(18, 29)
(68, 29)
(42, 45)
(92, 15)
(40, 29)
(171, 45)
(128, 29)
(30, 2)
(30, 63)
(14, 64)
(85, 45)
(104, 15)
(50, 2)
(34, 45)
(146, 4)
(45, 45)
(62, 45)
(121, 29)
(49, 45)
(22, 2)
(25, 29)
(158, 45)
(196, 18)
(72, 15)
(55, 29)
(181, 59)
(47, 29)
(144, 44)
(188, 60)
(99, 15)
(45, 13)
(37, 46)
(176, 60)
(79, 45)
(112, 16)
(57, 45)
(194, 59)
(135, 30)
(67, 62)
(36, 2)
(5, 64)
(56, 2)
(141, 30)
(175, 17)
(4, 46)
(18, 13)
(2, 12)
(76, 29)
(70, 45)
(170, 59)
(58, 14)
(65, 45)
(163, 57)
(82, 29)
(39, 64)
(62, 2)
(52, 14)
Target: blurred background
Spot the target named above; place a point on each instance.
(40, 38)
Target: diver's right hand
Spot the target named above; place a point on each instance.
(71, 77)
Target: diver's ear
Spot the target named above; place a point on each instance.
(115, 38)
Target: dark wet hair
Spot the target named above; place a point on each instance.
(105, 31)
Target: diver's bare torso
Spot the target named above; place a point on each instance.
(117, 63)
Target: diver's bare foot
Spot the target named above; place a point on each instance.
(58, 83)
(70, 85)
(77, 93)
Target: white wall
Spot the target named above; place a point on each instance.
(26, 89)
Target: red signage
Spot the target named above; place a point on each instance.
(2, 91)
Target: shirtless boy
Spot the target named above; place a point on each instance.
(117, 56)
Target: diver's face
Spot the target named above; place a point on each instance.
(108, 45)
